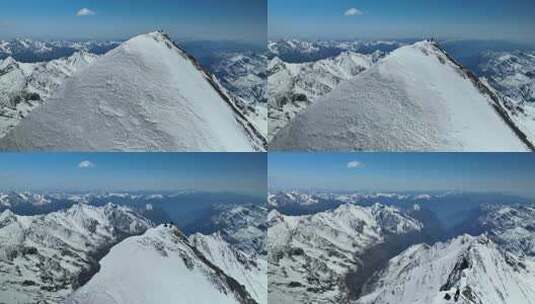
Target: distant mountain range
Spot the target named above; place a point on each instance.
(358, 252)
(34, 50)
(86, 253)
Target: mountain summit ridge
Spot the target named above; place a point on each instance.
(146, 94)
(415, 99)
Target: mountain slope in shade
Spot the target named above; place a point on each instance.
(310, 256)
(250, 270)
(146, 94)
(24, 86)
(467, 270)
(46, 257)
(417, 98)
(161, 266)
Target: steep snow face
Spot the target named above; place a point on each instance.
(244, 227)
(244, 75)
(512, 74)
(175, 271)
(415, 99)
(24, 86)
(292, 87)
(250, 270)
(513, 228)
(309, 256)
(144, 95)
(466, 270)
(44, 258)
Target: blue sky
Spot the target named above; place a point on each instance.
(488, 172)
(234, 172)
(243, 20)
(479, 19)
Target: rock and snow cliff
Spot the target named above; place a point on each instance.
(310, 256)
(46, 257)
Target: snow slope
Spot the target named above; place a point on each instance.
(24, 86)
(415, 99)
(292, 87)
(469, 270)
(46, 257)
(161, 266)
(250, 270)
(244, 75)
(146, 94)
(309, 256)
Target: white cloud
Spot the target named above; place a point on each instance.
(85, 12)
(86, 164)
(354, 164)
(353, 12)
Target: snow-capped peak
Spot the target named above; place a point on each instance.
(182, 270)
(7, 62)
(466, 269)
(46, 257)
(311, 255)
(146, 88)
(416, 98)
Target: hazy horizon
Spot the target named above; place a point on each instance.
(508, 173)
(234, 20)
(346, 19)
(134, 172)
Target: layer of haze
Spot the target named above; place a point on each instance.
(238, 20)
(230, 172)
(512, 173)
(512, 20)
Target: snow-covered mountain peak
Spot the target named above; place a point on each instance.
(46, 257)
(274, 215)
(293, 87)
(182, 269)
(393, 221)
(248, 269)
(7, 62)
(6, 215)
(466, 269)
(146, 88)
(416, 98)
(311, 255)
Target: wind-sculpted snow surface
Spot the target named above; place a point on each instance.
(310, 256)
(468, 270)
(145, 95)
(162, 266)
(292, 87)
(415, 99)
(24, 86)
(44, 258)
